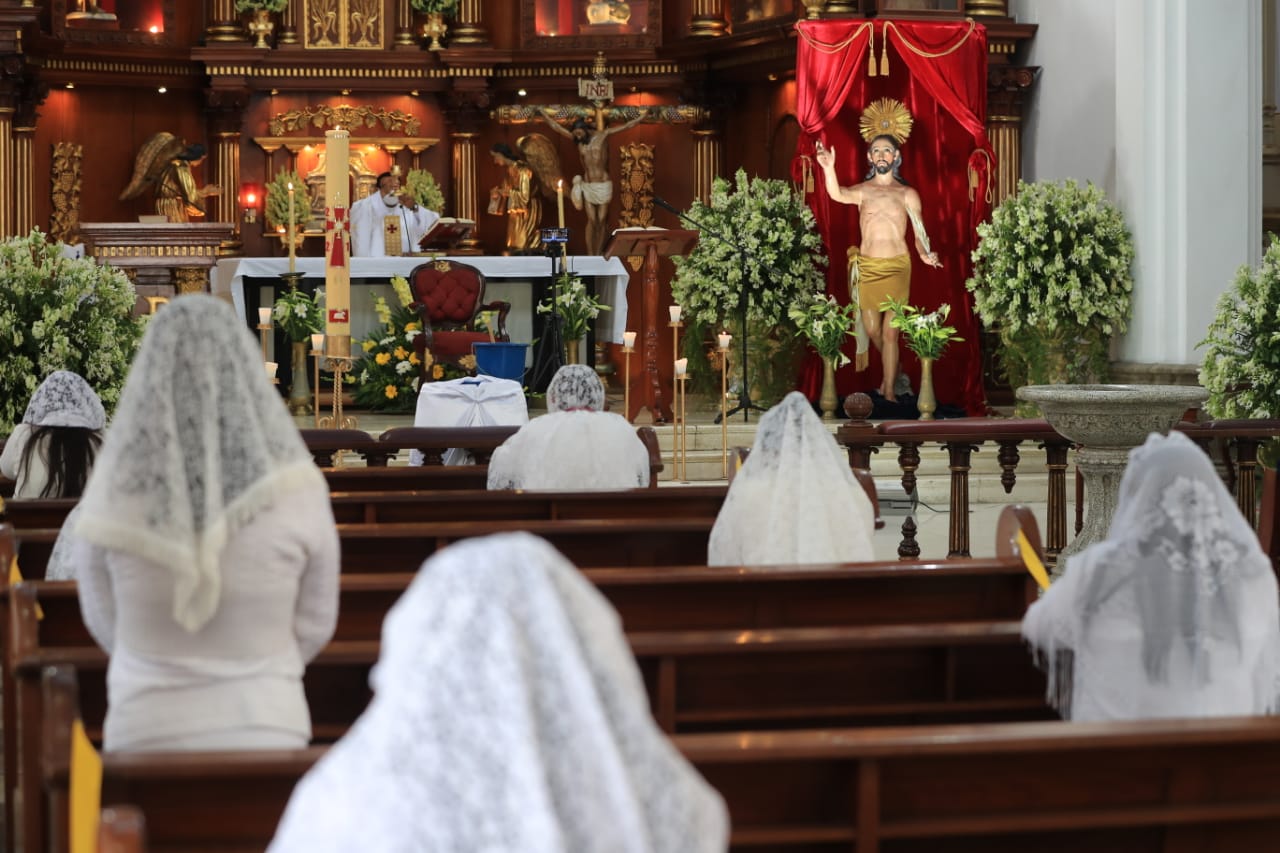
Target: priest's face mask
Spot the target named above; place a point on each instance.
(389, 189)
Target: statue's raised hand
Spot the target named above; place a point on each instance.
(826, 157)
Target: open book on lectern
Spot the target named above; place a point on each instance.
(447, 233)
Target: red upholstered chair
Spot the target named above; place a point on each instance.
(448, 298)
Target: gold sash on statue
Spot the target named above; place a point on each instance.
(391, 236)
(870, 281)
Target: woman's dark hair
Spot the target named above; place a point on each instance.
(70, 452)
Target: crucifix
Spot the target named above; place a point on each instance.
(590, 128)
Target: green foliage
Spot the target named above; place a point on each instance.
(268, 5)
(769, 222)
(422, 185)
(1053, 271)
(445, 7)
(923, 333)
(575, 305)
(277, 205)
(61, 314)
(824, 323)
(298, 314)
(1241, 368)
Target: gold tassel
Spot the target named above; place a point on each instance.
(806, 173)
(871, 53)
(884, 53)
(973, 182)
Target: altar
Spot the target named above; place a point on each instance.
(520, 280)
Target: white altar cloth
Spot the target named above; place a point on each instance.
(611, 277)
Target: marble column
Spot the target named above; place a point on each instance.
(1188, 164)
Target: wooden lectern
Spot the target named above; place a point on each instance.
(651, 243)
(163, 260)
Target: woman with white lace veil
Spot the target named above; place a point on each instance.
(576, 445)
(51, 452)
(795, 499)
(508, 714)
(206, 548)
(1175, 613)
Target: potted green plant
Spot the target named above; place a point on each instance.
(825, 324)
(435, 10)
(925, 334)
(1241, 368)
(1053, 274)
(422, 185)
(277, 205)
(59, 313)
(260, 23)
(770, 254)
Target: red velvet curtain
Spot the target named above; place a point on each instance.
(939, 72)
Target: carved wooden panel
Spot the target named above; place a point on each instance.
(635, 185)
(344, 24)
(64, 190)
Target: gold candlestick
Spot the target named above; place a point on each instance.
(263, 330)
(317, 351)
(724, 420)
(684, 430)
(338, 362)
(675, 325)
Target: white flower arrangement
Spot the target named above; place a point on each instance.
(782, 257)
(58, 313)
(922, 331)
(1053, 271)
(824, 323)
(1241, 367)
(575, 305)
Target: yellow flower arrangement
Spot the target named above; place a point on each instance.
(467, 362)
(412, 327)
(414, 360)
(382, 357)
(368, 345)
(401, 353)
(437, 372)
(392, 392)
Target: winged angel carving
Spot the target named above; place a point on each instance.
(533, 173)
(164, 164)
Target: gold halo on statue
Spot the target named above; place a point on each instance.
(885, 117)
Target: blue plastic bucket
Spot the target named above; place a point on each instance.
(503, 360)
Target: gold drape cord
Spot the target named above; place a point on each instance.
(889, 25)
(989, 196)
(831, 47)
(884, 53)
(806, 173)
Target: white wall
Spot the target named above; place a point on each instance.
(1069, 131)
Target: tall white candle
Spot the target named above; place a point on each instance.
(317, 342)
(724, 338)
(560, 200)
(682, 365)
(337, 244)
(292, 231)
(629, 340)
(674, 311)
(264, 316)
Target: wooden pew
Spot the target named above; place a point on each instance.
(1162, 785)
(1269, 519)
(408, 479)
(587, 542)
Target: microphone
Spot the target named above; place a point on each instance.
(662, 203)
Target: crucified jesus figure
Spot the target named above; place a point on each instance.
(594, 188)
(881, 266)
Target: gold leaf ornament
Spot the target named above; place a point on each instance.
(885, 117)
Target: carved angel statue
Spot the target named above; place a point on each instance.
(533, 172)
(164, 164)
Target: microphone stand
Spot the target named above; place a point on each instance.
(744, 397)
(549, 353)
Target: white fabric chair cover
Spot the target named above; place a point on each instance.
(1175, 613)
(508, 715)
(478, 401)
(795, 499)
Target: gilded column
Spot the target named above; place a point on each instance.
(404, 25)
(708, 19)
(707, 157)
(469, 29)
(986, 8)
(224, 23)
(24, 174)
(1007, 88)
(228, 162)
(287, 33)
(7, 224)
(464, 184)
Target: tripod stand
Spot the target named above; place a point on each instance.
(744, 396)
(548, 355)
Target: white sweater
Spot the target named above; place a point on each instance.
(237, 682)
(30, 481)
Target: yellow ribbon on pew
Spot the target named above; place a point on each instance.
(15, 578)
(86, 791)
(1032, 561)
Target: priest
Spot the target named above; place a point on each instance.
(388, 222)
